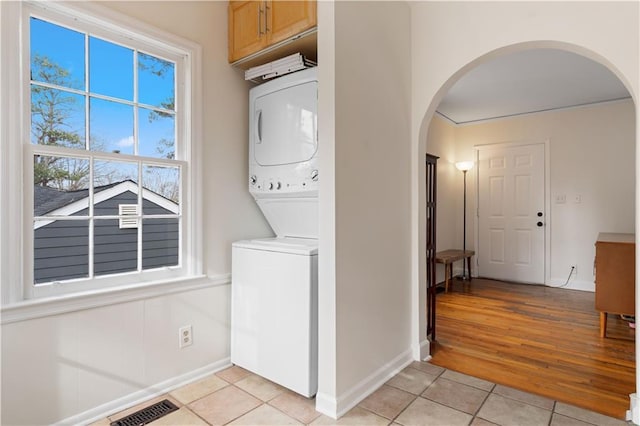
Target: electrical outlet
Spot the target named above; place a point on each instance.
(561, 199)
(575, 269)
(185, 336)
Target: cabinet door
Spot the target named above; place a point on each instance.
(288, 18)
(246, 28)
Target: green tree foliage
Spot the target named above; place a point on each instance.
(160, 68)
(51, 116)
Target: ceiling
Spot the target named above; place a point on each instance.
(530, 81)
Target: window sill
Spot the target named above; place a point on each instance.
(39, 308)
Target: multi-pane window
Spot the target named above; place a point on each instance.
(105, 153)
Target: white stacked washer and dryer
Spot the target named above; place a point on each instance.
(274, 291)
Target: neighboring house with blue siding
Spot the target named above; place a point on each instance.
(61, 247)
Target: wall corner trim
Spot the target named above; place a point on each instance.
(422, 350)
(633, 414)
(337, 407)
(327, 405)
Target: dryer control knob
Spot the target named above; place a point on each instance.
(270, 185)
(278, 185)
(253, 179)
(314, 175)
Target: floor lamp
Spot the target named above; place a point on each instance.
(464, 166)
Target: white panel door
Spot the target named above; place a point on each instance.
(511, 213)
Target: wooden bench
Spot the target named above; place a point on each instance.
(447, 257)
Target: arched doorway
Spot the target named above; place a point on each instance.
(485, 136)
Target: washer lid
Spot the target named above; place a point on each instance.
(302, 246)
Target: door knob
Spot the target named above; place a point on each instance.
(540, 224)
(539, 214)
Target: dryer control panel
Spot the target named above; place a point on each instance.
(263, 182)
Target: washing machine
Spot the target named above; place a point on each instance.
(274, 305)
(274, 316)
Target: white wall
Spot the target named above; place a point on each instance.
(71, 363)
(449, 38)
(592, 154)
(370, 218)
(326, 400)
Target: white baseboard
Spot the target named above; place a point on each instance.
(633, 414)
(120, 404)
(326, 405)
(552, 282)
(337, 407)
(457, 271)
(572, 285)
(422, 351)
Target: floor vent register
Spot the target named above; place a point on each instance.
(147, 415)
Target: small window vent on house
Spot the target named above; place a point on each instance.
(128, 210)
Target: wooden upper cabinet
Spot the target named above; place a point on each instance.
(288, 18)
(256, 25)
(246, 28)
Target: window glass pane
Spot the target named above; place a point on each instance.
(111, 125)
(60, 186)
(61, 250)
(110, 69)
(156, 131)
(160, 243)
(57, 55)
(57, 118)
(114, 183)
(96, 96)
(115, 248)
(162, 190)
(156, 81)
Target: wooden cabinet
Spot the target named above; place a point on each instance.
(615, 276)
(256, 25)
(246, 20)
(288, 18)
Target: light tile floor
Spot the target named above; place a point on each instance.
(421, 394)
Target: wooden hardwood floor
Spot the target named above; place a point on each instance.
(537, 339)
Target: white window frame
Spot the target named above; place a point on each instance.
(16, 151)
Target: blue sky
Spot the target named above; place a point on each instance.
(111, 73)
